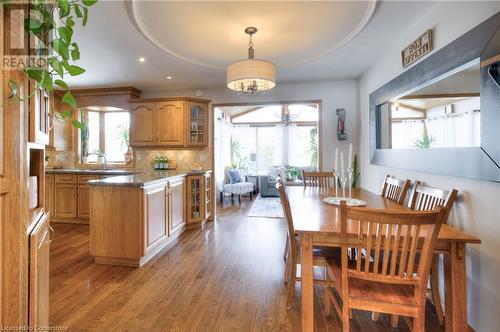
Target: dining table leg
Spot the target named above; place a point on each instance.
(306, 284)
(455, 289)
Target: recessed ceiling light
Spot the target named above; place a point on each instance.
(142, 59)
(168, 77)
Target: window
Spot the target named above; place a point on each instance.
(284, 135)
(108, 134)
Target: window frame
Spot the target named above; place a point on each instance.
(102, 138)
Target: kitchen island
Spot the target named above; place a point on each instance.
(133, 217)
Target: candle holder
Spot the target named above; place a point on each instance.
(349, 176)
(343, 181)
(335, 181)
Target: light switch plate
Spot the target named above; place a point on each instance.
(60, 157)
(203, 157)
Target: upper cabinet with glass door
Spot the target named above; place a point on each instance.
(39, 116)
(197, 131)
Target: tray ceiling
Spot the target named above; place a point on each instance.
(289, 33)
(192, 42)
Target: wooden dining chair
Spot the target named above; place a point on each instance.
(395, 189)
(318, 179)
(393, 278)
(320, 254)
(426, 198)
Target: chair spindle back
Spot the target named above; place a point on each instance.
(387, 243)
(395, 189)
(426, 198)
(318, 179)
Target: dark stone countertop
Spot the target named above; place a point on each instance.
(142, 178)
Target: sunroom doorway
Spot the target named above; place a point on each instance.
(262, 140)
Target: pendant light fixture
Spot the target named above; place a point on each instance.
(251, 76)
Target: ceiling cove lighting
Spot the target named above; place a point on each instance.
(251, 76)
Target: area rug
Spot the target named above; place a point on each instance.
(266, 207)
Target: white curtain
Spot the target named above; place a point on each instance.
(405, 133)
(222, 149)
(270, 148)
(298, 143)
(462, 130)
(280, 145)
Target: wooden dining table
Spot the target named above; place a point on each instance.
(318, 224)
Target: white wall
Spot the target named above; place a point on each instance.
(336, 94)
(478, 208)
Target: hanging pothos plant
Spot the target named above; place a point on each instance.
(55, 18)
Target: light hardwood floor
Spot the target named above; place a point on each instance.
(226, 277)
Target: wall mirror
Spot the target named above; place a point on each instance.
(443, 114)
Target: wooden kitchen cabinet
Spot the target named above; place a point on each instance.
(176, 195)
(40, 239)
(83, 195)
(49, 193)
(142, 126)
(199, 197)
(65, 202)
(39, 106)
(197, 124)
(60, 133)
(83, 201)
(208, 195)
(156, 216)
(169, 122)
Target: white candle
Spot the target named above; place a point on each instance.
(349, 161)
(336, 160)
(342, 161)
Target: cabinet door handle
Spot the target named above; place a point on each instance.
(51, 236)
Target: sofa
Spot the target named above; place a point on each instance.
(267, 183)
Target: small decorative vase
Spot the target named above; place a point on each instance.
(101, 160)
(85, 159)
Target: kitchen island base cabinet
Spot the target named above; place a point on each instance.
(155, 216)
(130, 225)
(176, 203)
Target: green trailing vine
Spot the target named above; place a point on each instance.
(54, 21)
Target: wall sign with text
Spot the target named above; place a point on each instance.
(420, 47)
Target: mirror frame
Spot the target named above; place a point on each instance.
(482, 162)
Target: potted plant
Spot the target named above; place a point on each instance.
(83, 125)
(292, 174)
(47, 161)
(124, 137)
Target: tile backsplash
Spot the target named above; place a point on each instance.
(184, 159)
(60, 158)
(144, 158)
